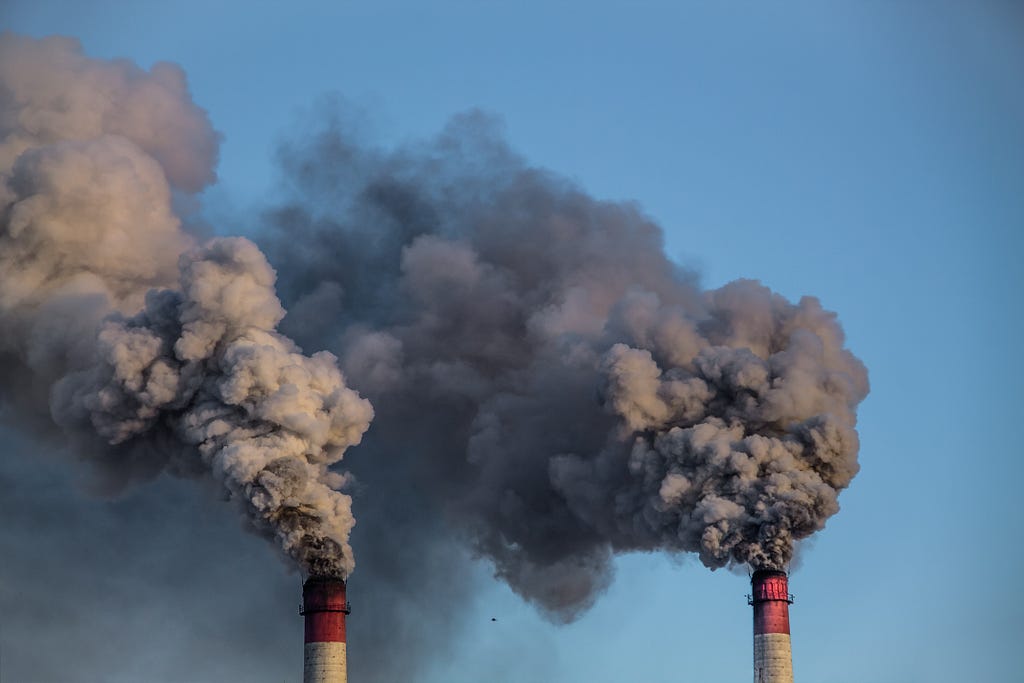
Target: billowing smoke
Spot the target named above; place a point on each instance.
(549, 388)
(152, 351)
(555, 387)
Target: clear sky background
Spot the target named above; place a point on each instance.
(869, 153)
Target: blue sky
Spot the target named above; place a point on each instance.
(869, 153)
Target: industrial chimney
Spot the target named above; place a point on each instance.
(773, 657)
(324, 606)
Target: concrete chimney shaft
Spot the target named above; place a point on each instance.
(324, 605)
(773, 655)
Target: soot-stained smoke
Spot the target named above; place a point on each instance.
(549, 389)
(153, 351)
(573, 393)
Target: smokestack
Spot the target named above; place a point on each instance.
(773, 655)
(324, 606)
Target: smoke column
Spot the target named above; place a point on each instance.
(154, 352)
(549, 389)
(556, 388)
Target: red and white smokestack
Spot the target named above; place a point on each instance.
(773, 655)
(325, 607)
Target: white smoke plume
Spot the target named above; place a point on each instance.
(152, 351)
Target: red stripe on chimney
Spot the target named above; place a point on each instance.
(324, 605)
(770, 598)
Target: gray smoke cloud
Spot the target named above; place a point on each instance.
(548, 388)
(155, 352)
(558, 390)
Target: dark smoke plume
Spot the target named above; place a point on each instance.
(152, 361)
(549, 388)
(555, 388)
